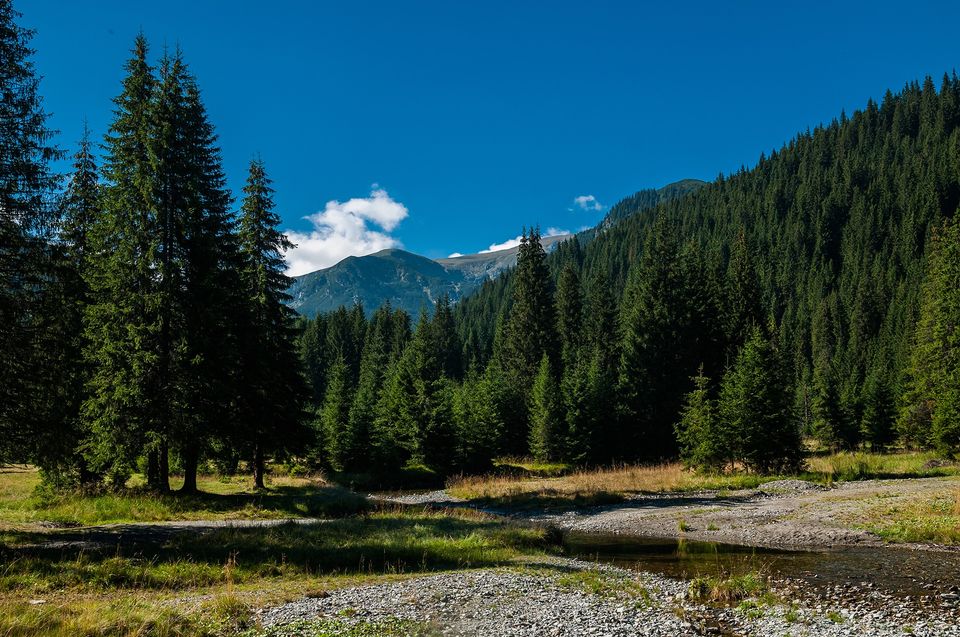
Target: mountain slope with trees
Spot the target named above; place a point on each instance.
(787, 294)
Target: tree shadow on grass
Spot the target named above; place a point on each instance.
(385, 543)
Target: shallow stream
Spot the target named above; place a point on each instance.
(896, 571)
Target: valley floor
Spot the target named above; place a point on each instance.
(433, 564)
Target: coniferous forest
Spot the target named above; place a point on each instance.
(144, 325)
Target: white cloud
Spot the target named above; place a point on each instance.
(454, 255)
(589, 203)
(355, 227)
(513, 243)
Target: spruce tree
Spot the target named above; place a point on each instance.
(654, 372)
(931, 405)
(832, 425)
(28, 325)
(546, 416)
(699, 433)
(335, 417)
(569, 315)
(122, 323)
(529, 330)
(272, 389)
(755, 409)
(59, 452)
(479, 422)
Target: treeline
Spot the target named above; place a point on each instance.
(143, 320)
(567, 378)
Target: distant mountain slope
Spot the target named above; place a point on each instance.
(649, 198)
(409, 281)
(490, 264)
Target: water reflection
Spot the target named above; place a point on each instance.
(898, 571)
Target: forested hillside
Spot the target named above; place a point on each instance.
(805, 273)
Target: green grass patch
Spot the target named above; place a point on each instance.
(605, 583)
(860, 465)
(935, 519)
(386, 542)
(206, 584)
(24, 502)
(729, 589)
(337, 628)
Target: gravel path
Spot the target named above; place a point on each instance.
(545, 599)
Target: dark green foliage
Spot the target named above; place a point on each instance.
(569, 314)
(546, 415)
(931, 405)
(833, 425)
(756, 423)
(58, 450)
(122, 322)
(528, 331)
(335, 416)
(29, 330)
(272, 389)
(704, 440)
(879, 411)
(667, 326)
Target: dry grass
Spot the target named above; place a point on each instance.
(609, 485)
(594, 486)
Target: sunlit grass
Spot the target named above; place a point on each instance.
(595, 486)
(860, 465)
(22, 504)
(930, 518)
(613, 484)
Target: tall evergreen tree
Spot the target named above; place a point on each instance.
(931, 405)
(529, 330)
(272, 386)
(654, 373)
(335, 417)
(122, 323)
(27, 218)
(59, 452)
(569, 315)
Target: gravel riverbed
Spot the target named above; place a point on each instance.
(560, 596)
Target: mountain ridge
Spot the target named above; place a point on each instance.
(411, 282)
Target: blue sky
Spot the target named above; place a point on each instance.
(446, 126)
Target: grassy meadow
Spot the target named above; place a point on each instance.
(53, 581)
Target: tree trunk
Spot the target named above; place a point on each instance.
(190, 461)
(153, 470)
(163, 483)
(258, 467)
